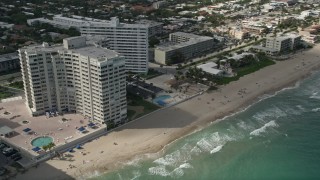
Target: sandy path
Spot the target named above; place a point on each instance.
(151, 133)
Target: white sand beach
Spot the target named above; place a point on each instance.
(151, 133)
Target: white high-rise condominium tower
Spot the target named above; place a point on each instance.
(131, 40)
(75, 77)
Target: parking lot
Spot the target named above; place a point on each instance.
(9, 158)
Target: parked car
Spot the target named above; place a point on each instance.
(15, 155)
(6, 149)
(17, 158)
(2, 146)
(9, 151)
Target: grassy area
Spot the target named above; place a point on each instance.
(4, 95)
(135, 100)
(151, 74)
(130, 114)
(17, 85)
(246, 70)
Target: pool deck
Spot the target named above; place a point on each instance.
(61, 132)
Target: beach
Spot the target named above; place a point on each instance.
(152, 133)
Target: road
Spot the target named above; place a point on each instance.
(4, 78)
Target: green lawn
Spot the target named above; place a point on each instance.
(4, 95)
(245, 70)
(135, 100)
(17, 85)
(130, 114)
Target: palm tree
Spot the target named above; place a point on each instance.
(50, 146)
(45, 148)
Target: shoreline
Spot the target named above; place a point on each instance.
(199, 113)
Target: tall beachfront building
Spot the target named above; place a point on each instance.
(75, 77)
(131, 40)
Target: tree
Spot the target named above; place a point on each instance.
(19, 18)
(110, 125)
(51, 145)
(38, 12)
(11, 79)
(153, 41)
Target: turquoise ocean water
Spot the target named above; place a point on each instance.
(276, 138)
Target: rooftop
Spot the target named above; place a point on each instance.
(284, 36)
(98, 53)
(95, 52)
(210, 68)
(189, 35)
(85, 21)
(193, 40)
(8, 57)
(149, 23)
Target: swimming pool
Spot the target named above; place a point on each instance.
(41, 141)
(160, 100)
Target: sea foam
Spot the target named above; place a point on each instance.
(216, 149)
(159, 170)
(315, 110)
(315, 96)
(258, 131)
(273, 112)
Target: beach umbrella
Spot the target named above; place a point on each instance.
(26, 130)
(91, 124)
(36, 149)
(70, 150)
(81, 128)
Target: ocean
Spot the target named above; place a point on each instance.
(275, 138)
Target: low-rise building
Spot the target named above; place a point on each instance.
(254, 29)
(283, 43)
(211, 68)
(238, 33)
(9, 62)
(189, 45)
(279, 44)
(309, 34)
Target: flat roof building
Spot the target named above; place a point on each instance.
(211, 68)
(9, 62)
(189, 45)
(283, 43)
(279, 44)
(75, 77)
(130, 40)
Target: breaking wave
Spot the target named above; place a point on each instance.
(315, 110)
(263, 129)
